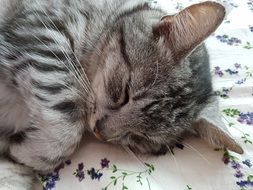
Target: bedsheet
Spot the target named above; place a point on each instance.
(195, 165)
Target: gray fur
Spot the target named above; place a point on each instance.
(14, 176)
(105, 67)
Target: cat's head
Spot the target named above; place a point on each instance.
(147, 94)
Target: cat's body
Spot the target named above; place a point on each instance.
(67, 67)
(34, 93)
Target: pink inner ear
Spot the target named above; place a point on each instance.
(186, 30)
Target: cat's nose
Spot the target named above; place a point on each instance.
(98, 134)
(99, 126)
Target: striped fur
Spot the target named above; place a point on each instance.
(44, 90)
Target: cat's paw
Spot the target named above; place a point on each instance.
(12, 185)
(14, 176)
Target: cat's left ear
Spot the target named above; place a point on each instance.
(210, 127)
(187, 29)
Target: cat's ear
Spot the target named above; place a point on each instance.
(210, 127)
(187, 29)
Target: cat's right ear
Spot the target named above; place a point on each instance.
(210, 127)
(186, 30)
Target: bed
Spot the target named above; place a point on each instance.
(193, 165)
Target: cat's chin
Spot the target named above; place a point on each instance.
(158, 150)
(142, 146)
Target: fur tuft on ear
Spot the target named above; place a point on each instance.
(210, 127)
(187, 29)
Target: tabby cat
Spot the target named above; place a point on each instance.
(119, 69)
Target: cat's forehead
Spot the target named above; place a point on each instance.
(133, 51)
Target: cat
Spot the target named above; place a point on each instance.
(126, 72)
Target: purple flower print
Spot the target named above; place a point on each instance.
(239, 174)
(218, 71)
(247, 163)
(49, 185)
(237, 66)
(242, 81)
(68, 162)
(225, 158)
(251, 28)
(58, 168)
(235, 165)
(232, 72)
(228, 40)
(80, 166)
(246, 118)
(242, 183)
(79, 173)
(250, 4)
(104, 163)
(224, 92)
(49, 180)
(94, 174)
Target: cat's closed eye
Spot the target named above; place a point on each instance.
(123, 99)
(126, 96)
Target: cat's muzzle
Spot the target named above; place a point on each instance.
(98, 134)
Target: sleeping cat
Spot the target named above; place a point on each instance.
(121, 70)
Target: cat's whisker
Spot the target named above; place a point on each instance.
(77, 92)
(176, 162)
(156, 76)
(82, 81)
(113, 138)
(85, 86)
(131, 153)
(195, 150)
(60, 61)
(187, 145)
(86, 80)
(173, 156)
(116, 137)
(75, 75)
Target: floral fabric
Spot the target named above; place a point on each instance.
(194, 165)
